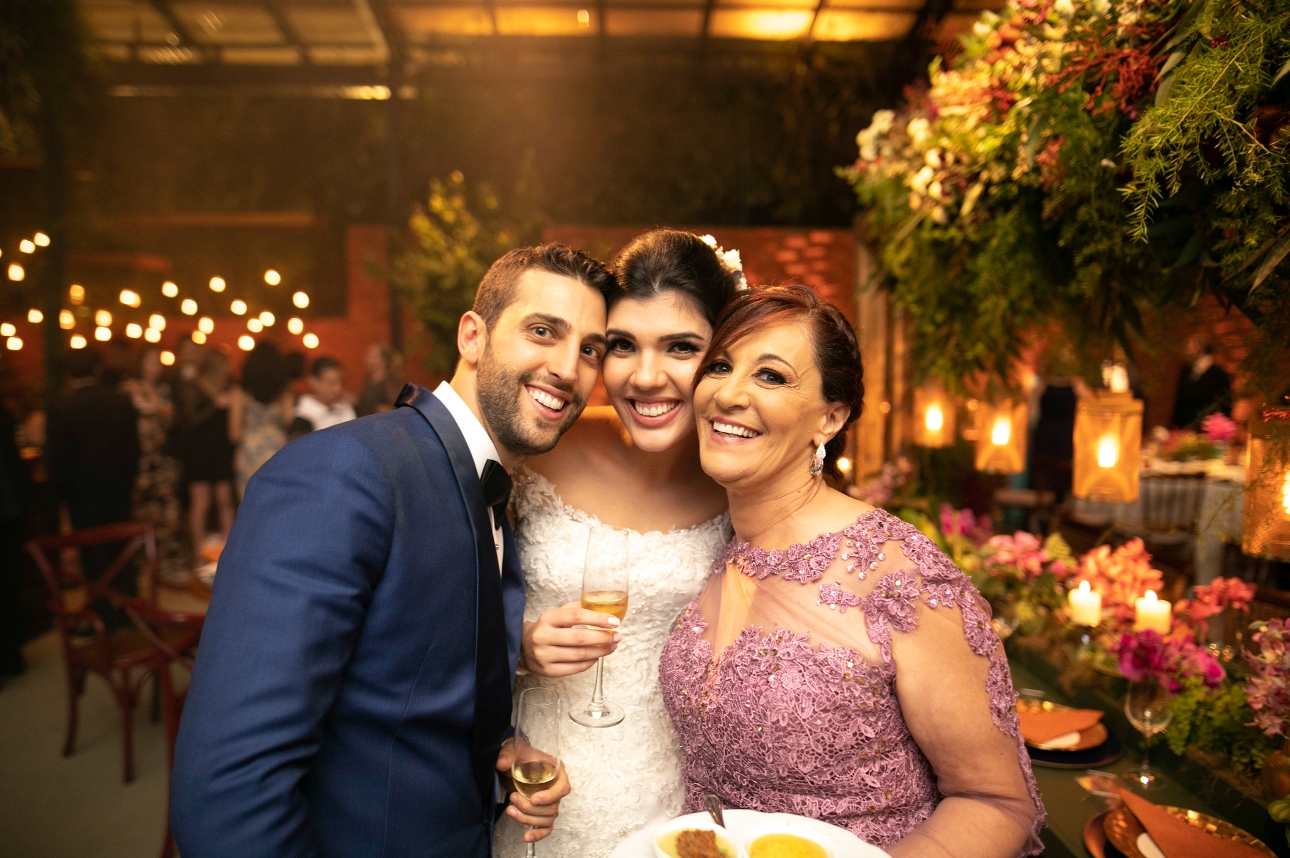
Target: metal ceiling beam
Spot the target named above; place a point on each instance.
(707, 18)
(375, 30)
(810, 31)
(280, 20)
(172, 21)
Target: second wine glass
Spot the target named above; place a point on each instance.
(606, 580)
(536, 763)
(1147, 705)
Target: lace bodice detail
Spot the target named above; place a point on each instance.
(781, 720)
(628, 776)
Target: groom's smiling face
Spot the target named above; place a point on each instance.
(540, 361)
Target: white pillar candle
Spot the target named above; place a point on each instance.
(1153, 613)
(1085, 605)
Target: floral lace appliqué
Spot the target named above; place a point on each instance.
(801, 563)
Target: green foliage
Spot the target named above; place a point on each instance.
(1216, 721)
(450, 243)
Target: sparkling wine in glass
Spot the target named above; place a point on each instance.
(536, 763)
(1147, 705)
(605, 585)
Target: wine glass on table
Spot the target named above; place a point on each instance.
(605, 584)
(536, 763)
(1147, 705)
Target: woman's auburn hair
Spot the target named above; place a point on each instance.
(833, 344)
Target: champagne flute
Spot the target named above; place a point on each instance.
(536, 763)
(605, 582)
(1147, 706)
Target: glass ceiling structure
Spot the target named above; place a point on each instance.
(369, 32)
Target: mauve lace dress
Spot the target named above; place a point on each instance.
(880, 699)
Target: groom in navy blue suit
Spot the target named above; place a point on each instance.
(353, 684)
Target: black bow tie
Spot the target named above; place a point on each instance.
(497, 489)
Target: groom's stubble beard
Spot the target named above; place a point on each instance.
(499, 388)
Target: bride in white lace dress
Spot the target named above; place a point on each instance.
(633, 466)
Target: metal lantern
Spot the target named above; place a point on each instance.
(1001, 437)
(1108, 447)
(1267, 490)
(933, 417)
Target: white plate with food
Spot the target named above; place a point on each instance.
(741, 824)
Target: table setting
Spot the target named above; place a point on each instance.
(747, 834)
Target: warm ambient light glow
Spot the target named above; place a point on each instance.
(167, 358)
(935, 418)
(152, 335)
(295, 325)
(158, 321)
(217, 284)
(16, 272)
(1285, 494)
(272, 277)
(130, 298)
(169, 289)
(245, 343)
(300, 299)
(844, 464)
(267, 319)
(35, 317)
(584, 18)
(14, 344)
(27, 246)
(134, 330)
(310, 341)
(1108, 451)
(238, 307)
(102, 334)
(7, 329)
(1001, 432)
(41, 239)
(77, 342)
(254, 325)
(76, 293)
(198, 337)
(66, 320)
(102, 318)
(188, 307)
(206, 325)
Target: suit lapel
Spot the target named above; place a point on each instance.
(493, 666)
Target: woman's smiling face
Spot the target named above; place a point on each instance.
(656, 346)
(761, 408)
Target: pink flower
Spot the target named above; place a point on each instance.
(1268, 688)
(1146, 654)
(1219, 428)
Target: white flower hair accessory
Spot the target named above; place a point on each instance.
(729, 260)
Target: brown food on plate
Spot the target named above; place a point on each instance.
(697, 843)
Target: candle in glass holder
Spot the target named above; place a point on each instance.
(1153, 613)
(1085, 605)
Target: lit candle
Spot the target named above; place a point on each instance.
(935, 418)
(1086, 605)
(1153, 613)
(1108, 451)
(1001, 432)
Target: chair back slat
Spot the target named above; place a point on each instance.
(68, 585)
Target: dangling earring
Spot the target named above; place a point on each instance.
(817, 461)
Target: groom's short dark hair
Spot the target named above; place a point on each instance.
(497, 291)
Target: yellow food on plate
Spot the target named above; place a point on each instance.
(695, 843)
(785, 846)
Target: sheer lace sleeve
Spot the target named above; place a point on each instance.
(955, 690)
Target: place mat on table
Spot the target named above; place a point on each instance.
(1040, 726)
(1177, 839)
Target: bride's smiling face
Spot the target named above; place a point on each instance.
(655, 347)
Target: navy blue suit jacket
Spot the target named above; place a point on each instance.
(333, 708)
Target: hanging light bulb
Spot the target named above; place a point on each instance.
(295, 325)
(41, 239)
(14, 344)
(310, 341)
(300, 299)
(206, 325)
(7, 329)
(267, 319)
(35, 317)
(217, 284)
(158, 321)
(76, 293)
(66, 320)
(245, 343)
(27, 246)
(198, 337)
(167, 358)
(254, 325)
(102, 318)
(102, 334)
(238, 307)
(169, 289)
(134, 330)
(152, 335)
(77, 341)
(16, 272)
(130, 298)
(188, 307)
(272, 277)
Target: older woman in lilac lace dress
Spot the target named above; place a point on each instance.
(837, 665)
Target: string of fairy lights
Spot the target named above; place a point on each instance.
(105, 324)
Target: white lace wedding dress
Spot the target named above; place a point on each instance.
(628, 776)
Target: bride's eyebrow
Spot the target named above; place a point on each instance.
(682, 337)
(615, 333)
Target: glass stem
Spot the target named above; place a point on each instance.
(1145, 770)
(531, 848)
(598, 692)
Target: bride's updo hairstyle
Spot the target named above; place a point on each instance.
(833, 343)
(664, 260)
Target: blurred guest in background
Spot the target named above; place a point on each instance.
(261, 411)
(205, 449)
(325, 404)
(156, 487)
(384, 380)
(1203, 386)
(15, 496)
(93, 450)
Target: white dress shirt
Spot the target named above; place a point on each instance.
(322, 416)
(480, 443)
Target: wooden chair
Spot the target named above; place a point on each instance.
(123, 657)
(173, 637)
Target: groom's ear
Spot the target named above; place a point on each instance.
(472, 337)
